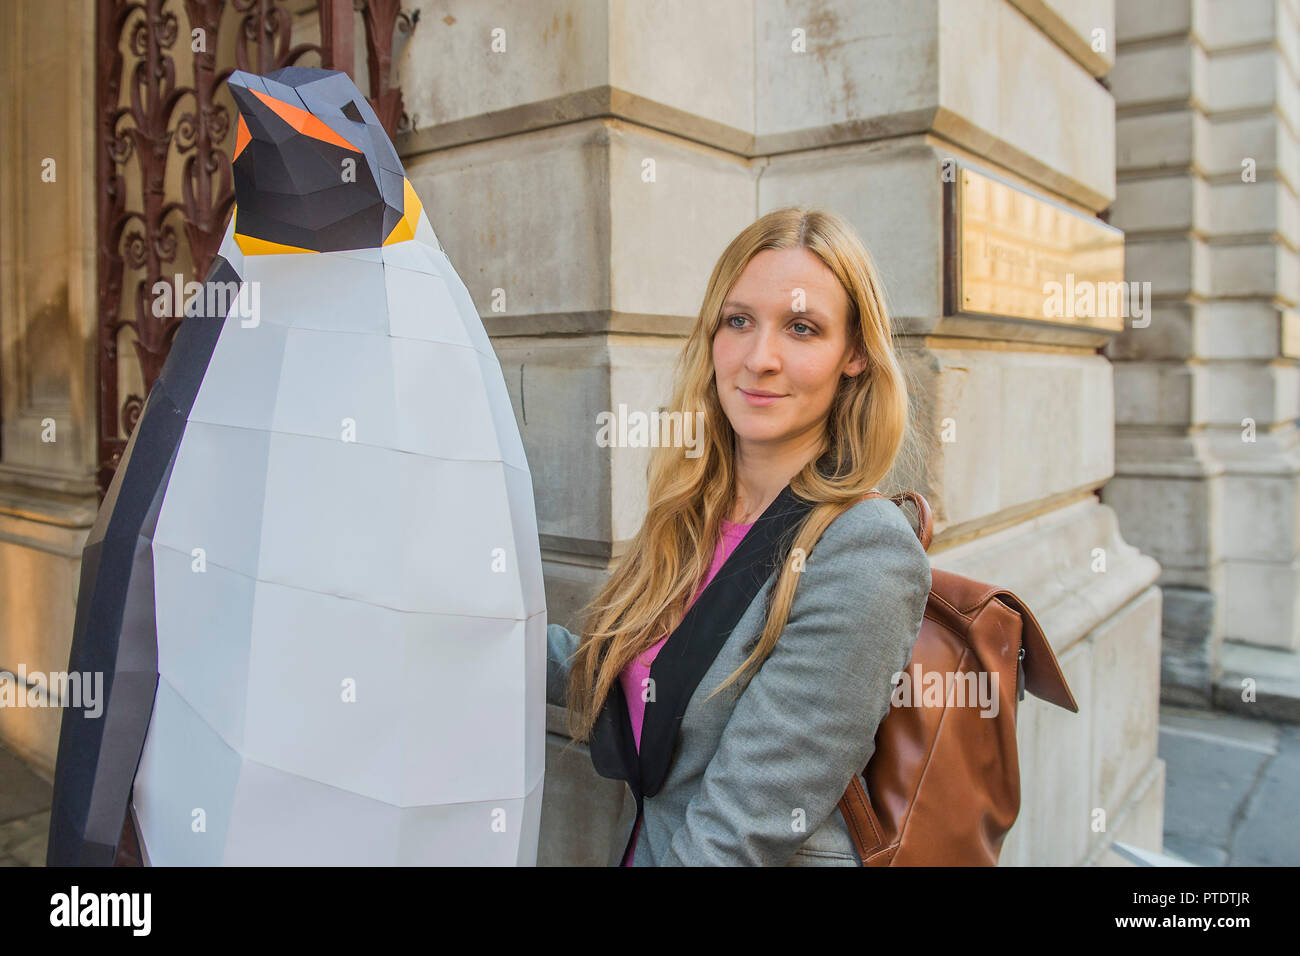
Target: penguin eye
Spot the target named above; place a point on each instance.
(352, 113)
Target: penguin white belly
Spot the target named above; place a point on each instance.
(348, 586)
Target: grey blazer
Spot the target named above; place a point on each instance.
(755, 779)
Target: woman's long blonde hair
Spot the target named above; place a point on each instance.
(647, 591)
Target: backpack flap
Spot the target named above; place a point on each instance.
(1043, 677)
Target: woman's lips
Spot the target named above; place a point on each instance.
(760, 399)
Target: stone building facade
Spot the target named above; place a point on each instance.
(585, 162)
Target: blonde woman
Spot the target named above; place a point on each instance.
(735, 664)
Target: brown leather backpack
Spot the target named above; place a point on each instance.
(943, 785)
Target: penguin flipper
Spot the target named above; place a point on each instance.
(115, 633)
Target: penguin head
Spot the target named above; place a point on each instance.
(314, 170)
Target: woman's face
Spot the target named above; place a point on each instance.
(784, 331)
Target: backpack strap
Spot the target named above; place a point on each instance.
(924, 518)
(856, 807)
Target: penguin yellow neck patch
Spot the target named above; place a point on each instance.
(252, 246)
(411, 207)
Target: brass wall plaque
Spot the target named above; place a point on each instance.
(1023, 256)
(1291, 334)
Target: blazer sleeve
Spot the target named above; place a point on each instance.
(807, 721)
(560, 646)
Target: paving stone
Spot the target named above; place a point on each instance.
(1267, 834)
(23, 841)
(22, 792)
(1205, 784)
(1231, 786)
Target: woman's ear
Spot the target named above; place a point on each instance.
(856, 366)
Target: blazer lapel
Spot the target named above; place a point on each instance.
(612, 746)
(689, 651)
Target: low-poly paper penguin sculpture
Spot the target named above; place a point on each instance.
(314, 586)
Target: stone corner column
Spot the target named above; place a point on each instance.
(1206, 394)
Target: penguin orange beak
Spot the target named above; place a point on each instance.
(259, 108)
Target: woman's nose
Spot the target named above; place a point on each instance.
(764, 352)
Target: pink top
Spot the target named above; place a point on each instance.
(633, 676)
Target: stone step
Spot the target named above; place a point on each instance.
(1276, 677)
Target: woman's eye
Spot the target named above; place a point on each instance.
(808, 332)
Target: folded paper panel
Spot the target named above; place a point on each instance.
(279, 816)
(485, 833)
(185, 785)
(323, 689)
(446, 408)
(459, 529)
(506, 428)
(339, 388)
(205, 615)
(324, 500)
(215, 497)
(333, 291)
(406, 255)
(252, 356)
(420, 306)
(523, 530)
(469, 315)
(462, 672)
(535, 698)
(425, 234)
